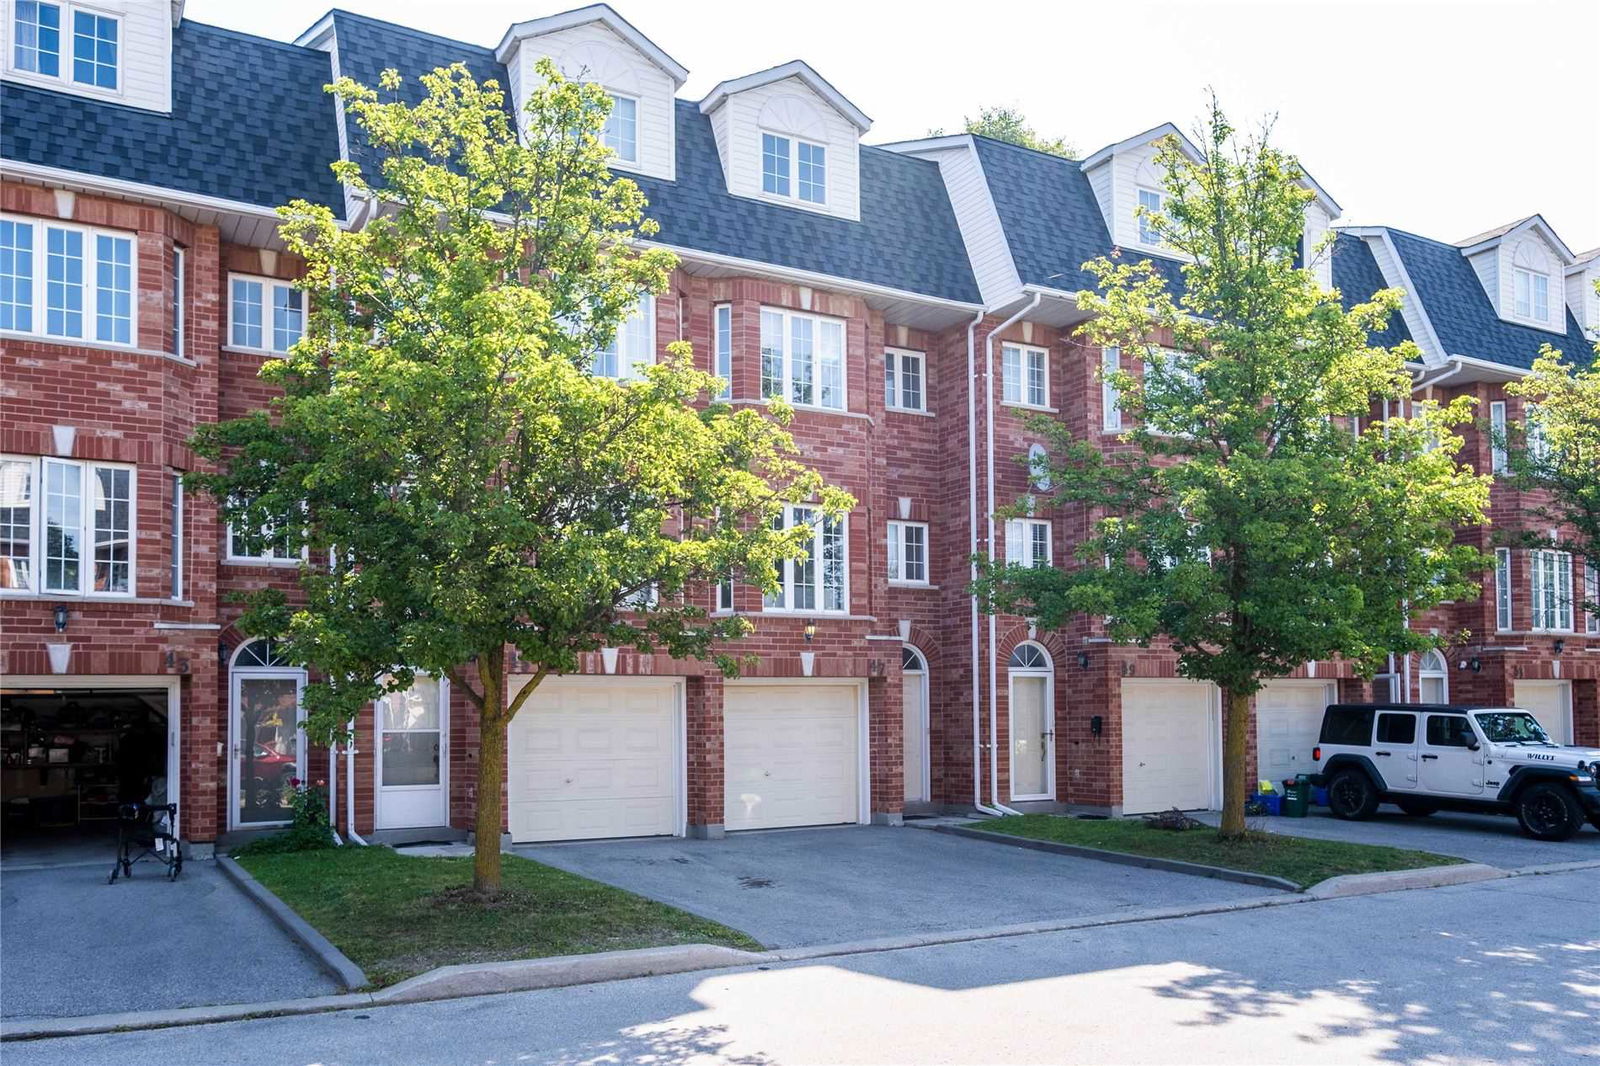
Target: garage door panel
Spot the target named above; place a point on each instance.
(1167, 746)
(1549, 703)
(790, 755)
(1288, 723)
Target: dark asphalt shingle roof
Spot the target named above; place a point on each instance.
(1357, 277)
(1462, 315)
(907, 238)
(250, 122)
(1051, 219)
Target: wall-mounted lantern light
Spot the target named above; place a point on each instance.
(810, 629)
(61, 617)
(1083, 660)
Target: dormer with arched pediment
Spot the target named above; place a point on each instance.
(786, 136)
(1523, 267)
(595, 44)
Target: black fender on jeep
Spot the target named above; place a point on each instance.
(1521, 777)
(1347, 761)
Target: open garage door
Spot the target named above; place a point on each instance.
(791, 754)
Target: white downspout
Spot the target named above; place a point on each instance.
(333, 794)
(972, 528)
(350, 787)
(994, 667)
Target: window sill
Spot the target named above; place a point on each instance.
(909, 411)
(803, 408)
(896, 584)
(819, 615)
(97, 345)
(1042, 408)
(70, 598)
(266, 353)
(279, 564)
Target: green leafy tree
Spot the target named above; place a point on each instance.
(1556, 450)
(1010, 125)
(1247, 522)
(470, 496)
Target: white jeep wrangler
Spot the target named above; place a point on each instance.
(1430, 757)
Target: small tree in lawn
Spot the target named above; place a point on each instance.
(1248, 524)
(465, 487)
(1557, 450)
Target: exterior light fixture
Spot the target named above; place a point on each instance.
(1475, 664)
(810, 629)
(1083, 660)
(61, 617)
(1558, 647)
(222, 652)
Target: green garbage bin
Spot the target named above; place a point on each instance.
(1296, 796)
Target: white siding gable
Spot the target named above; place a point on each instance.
(1528, 250)
(1317, 224)
(1128, 171)
(1582, 298)
(144, 53)
(593, 52)
(791, 108)
(979, 222)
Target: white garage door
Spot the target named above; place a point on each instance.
(1551, 703)
(1288, 723)
(791, 755)
(1169, 748)
(594, 757)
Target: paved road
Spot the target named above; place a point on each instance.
(1500, 972)
(827, 886)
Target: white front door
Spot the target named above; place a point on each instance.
(265, 742)
(1032, 737)
(595, 757)
(1551, 703)
(1170, 746)
(1288, 723)
(412, 763)
(791, 754)
(914, 706)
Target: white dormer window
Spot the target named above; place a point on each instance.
(94, 49)
(1150, 200)
(93, 44)
(37, 37)
(1532, 295)
(783, 156)
(621, 133)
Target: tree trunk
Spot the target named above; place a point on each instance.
(1235, 751)
(491, 777)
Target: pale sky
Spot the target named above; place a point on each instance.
(1442, 117)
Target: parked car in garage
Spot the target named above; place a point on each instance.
(1430, 757)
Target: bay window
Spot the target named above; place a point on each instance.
(87, 280)
(816, 581)
(1498, 460)
(1502, 589)
(1552, 590)
(908, 553)
(903, 380)
(723, 315)
(1024, 375)
(66, 527)
(250, 300)
(1110, 396)
(802, 358)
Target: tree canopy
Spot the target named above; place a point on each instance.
(1010, 125)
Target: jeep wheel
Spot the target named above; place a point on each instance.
(1548, 811)
(1416, 808)
(1351, 795)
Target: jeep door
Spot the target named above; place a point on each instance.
(1451, 760)
(1394, 750)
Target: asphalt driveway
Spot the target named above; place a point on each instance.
(798, 887)
(1492, 839)
(75, 945)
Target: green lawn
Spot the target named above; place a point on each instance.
(1298, 859)
(385, 911)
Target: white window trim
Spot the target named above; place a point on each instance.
(1559, 562)
(628, 364)
(1442, 675)
(232, 559)
(1502, 590)
(1025, 350)
(63, 79)
(91, 288)
(1532, 314)
(722, 359)
(816, 364)
(36, 531)
(1591, 596)
(1110, 395)
(177, 561)
(179, 336)
(786, 568)
(268, 285)
(1019, 542)
(1498, 460)
(626, 162)
(793, 197)
(1138, 228)
(899, 355)
(896, 554)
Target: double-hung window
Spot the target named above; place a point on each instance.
(908, 553)
(903, 380)
(94, 49)
(1552, 590)
(66, 281)
(621, 132)
(36, 38)
(266, 543)
(722, 322)
(794, 168)
(1532, 295)
(1497, 433)
(1110, 396)
(93, 43)
(1538, 444)
(802, 358)
(1028, 542)
(816, 581)
(1502, 589)
(632, 344)
(66, 527)
(1024, 375)
(1591, 598)
(264, 314)
(1150, 201)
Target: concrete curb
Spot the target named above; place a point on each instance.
(1554, 868)
(336, 962)
(1148, 862)
(1465, 873)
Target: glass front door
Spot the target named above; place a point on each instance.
(411, 781)
(266, 747)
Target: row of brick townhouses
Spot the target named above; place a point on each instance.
(915, 301)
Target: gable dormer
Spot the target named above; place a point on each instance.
(1522, 267)
(118, 51)
(1582, 298)
(595, 44)
(1126, 176)
(786, 136)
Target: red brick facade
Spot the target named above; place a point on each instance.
(139, 405)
